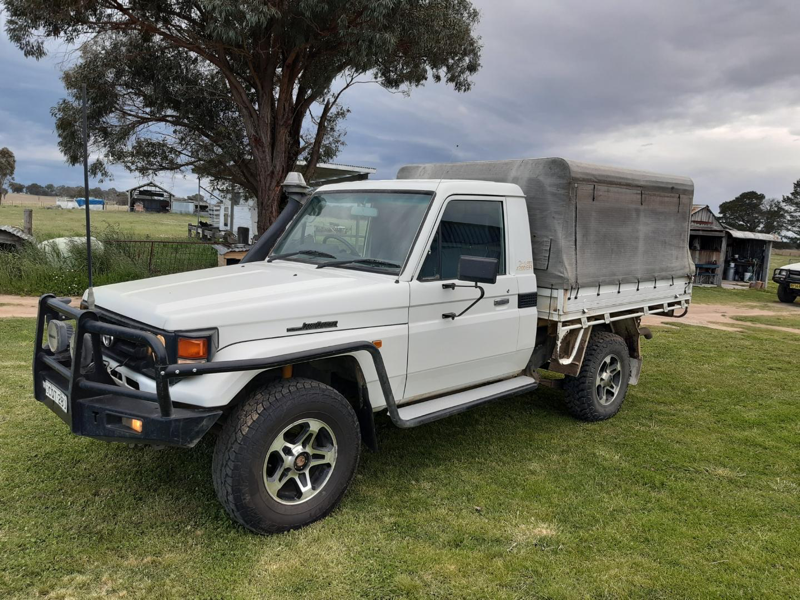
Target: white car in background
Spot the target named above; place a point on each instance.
(788, 280)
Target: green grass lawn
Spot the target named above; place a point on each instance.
(691, 491)
(52, 222)
(777, 321)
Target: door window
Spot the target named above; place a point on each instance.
(467, 228)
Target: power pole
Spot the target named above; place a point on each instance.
(86, 185)
(197, 204)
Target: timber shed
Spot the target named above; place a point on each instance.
(722, 254)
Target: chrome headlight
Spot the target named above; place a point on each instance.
(108, 340)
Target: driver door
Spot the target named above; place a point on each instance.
(480, 346)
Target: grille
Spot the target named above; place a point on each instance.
(527, 300)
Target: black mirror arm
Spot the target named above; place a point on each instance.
(452, 286)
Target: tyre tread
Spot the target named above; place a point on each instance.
(785, 294)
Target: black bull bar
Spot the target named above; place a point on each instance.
(92, 404)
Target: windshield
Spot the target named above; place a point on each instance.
(359, 230)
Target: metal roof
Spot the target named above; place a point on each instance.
(16, 231)
(149, 184)
(750, 235)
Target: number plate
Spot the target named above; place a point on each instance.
(795, 286)
(56, 395)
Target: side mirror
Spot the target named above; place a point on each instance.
(478, 270)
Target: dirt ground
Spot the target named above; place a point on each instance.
(716, 316)
(719, 316)
(22, 306)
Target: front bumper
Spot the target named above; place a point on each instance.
(86, 397)
(789, 278)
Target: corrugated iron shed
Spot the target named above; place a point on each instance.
(14, 236)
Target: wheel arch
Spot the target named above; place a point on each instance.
(631, 332)
(343, 373)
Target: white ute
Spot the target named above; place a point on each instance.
(423, 297)
(788, 280)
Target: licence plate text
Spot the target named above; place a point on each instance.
(56, 395)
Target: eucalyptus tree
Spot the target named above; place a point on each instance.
(8, 165)
(236, 91)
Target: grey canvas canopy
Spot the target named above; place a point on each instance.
(591, 225)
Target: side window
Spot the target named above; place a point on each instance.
(467, 228)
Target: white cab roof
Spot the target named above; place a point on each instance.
(446, 187)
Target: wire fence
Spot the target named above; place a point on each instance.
(156, 257)
(30, 201)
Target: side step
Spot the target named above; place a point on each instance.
(445, 406)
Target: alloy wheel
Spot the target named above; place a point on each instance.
(609, 377)
(300, 461)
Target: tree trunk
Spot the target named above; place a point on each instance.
(268, 201)
(316, 148)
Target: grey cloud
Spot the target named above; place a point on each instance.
(559, 72)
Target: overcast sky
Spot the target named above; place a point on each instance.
(708, 89)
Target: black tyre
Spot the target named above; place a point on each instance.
(785, 294)
(286, 455)
(597, 392)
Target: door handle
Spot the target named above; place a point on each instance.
(501, 301)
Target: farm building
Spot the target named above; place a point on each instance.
(149, 197)
(722, 254)
(185, 206)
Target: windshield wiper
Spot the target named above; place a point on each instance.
(366, 261)
(290, 254)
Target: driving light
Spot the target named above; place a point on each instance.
(135, 424)
(193, 348)
(108, 340)
(59, 334)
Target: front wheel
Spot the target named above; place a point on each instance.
(286, 455)
(785, 294)
(597, 392)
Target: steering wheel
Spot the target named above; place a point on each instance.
(338, 238)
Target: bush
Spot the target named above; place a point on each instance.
(32, 271)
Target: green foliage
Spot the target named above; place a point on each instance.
(792, 203)
(751, 211)
(35, 270)
(34, 189)
(16, 188)
(227, 88)
(7, 166)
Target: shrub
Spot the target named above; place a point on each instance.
(32, 271)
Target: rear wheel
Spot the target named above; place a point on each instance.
(597, 392)
(785, 294)
(286, 455)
